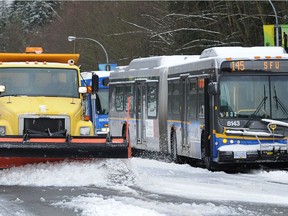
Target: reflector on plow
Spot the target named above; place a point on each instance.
(45, 149)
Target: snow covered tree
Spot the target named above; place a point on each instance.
(202, 24)
(130, 29)
(4, 11)
(21, 21)
(33, 14)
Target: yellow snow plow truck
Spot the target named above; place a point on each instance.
(43, 111)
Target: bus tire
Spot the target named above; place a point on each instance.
(173, 143)
(124, 131)
(206, 162)
(205, 155)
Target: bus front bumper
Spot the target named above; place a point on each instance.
(259, 156)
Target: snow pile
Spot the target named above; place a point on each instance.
(100, 173)
(119, 206)
(147, 187)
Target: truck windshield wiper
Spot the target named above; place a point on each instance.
(262, 103)
(8, 95)
(279, 103)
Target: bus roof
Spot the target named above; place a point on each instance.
(242, 52)
(157, 62)
(209, 58)
(88, 74)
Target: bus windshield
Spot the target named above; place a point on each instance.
(53, 82)
(103, 103)
(248, 96)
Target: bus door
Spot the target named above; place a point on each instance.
(184, 88)
(140, 111)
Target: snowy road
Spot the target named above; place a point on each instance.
(139, 187)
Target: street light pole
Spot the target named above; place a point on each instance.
(94, 94)
(72, 38)
(276, 23)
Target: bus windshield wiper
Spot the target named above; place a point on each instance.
(262, 103)
(280, 103)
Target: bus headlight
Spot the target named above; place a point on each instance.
(2, 130)
(85, 131)
(105, 130)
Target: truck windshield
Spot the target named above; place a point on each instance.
(253, 97)
(50, 82)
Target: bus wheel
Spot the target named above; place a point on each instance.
(124, 135)
(173, 143)
(124, 131)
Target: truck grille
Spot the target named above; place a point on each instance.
(43, 124)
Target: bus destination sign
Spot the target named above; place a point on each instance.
(259, 65)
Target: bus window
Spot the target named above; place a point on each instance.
(242, 97)
(129, 93)
(152, 101)
(105, 82)
(226, 93)
(201, 99)
(119, 98)
(170, 90)
(192, 106)
(176, 98)
(279, 89)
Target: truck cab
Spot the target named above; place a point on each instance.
(41, 94)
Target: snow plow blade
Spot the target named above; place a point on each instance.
(61, 147)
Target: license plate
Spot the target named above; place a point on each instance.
(240, 154)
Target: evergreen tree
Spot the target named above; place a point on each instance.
(4, 11)
(33, 14)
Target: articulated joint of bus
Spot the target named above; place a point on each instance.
(241, 145)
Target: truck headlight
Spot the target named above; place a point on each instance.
(85, 131)
(2, 130)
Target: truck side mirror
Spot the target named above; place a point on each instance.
(212, 88)
(2, 88)
(95, 83)
(82, 89)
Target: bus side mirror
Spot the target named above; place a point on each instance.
(212, 88)
(95, 83)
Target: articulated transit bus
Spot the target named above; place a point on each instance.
(225, 107)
